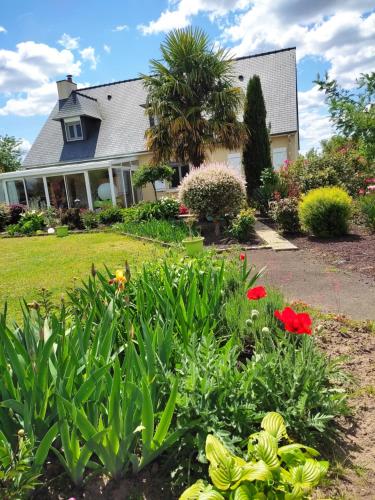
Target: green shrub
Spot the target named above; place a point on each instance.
(89, 219)
(325, 212)
(4, 216)
(71, 217)
(344, 167)
(243, 224)
(269, 183)
(285, 213)
(110, 216)
(269, 471)
(166, 208)
(30, 222)
(367, 207)
(212, 190)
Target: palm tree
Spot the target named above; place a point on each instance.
(192, 99)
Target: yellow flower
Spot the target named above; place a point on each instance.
(120, 277)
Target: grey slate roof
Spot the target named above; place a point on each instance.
(78, 104)
(124, 122)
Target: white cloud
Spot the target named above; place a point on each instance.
(38, 101)
(181, 16)
(339, 32)
(107, 48)
(88, 54)
(314, 120)
(25, 147)
(33, 65)
(69, 42)
(121, 27)
(2, 29)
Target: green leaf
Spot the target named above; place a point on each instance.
(166, 418)
(147, 417)
(224, 469)
(44, 447)
(274, 424)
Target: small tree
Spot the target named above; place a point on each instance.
(256, 152)
(353, 112)
(10, 154)
(150, 174)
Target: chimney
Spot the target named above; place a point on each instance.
(65, 87)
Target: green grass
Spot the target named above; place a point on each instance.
(29, 264)
(162, 230)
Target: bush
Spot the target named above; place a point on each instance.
(285, 213)
(269, 183)
(110, 216)
(72, 218)
(213, 190)
(89, 219)
(4, 216)
(29, 223)
(325, 212)
(242, 225)
(367, 207)
(15, 211)
(345, 168)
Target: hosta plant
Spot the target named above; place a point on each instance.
(287, 472)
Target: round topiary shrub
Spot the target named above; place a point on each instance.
(213, 190)
(325, 211)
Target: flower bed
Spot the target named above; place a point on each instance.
(141, 365)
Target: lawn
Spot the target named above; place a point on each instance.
(29, 264)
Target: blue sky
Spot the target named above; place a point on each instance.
(100, 41)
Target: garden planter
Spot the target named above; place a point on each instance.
(193, 246)
(62, 231)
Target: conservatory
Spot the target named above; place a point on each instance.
(90, 185)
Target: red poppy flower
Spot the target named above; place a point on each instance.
(294, 322)
(242, 256)
(256, 293)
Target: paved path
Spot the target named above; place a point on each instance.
(300, 277)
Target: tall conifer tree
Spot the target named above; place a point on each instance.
(256, 152)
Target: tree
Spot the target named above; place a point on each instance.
(353, 112)
(10, 154)
(192, 100)
(150, 174)
(256, 155)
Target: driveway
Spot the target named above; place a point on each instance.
(301, 277)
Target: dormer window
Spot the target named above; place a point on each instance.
(73, 129)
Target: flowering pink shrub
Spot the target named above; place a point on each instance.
(213, 190)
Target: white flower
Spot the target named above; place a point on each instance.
(265, 330)
(254, 314)
(249, 322)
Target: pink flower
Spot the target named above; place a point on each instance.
(371, 188)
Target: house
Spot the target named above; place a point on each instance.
(94, 139)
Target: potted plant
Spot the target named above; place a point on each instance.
(193, 244)
(62, 231)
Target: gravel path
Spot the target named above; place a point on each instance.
(301, 276)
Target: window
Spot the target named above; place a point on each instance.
(57, 191)
(35, 192)
(235, 162)
(279, 155)
(2, 193)
(180, 171)
(100, 188)
(16, 192)
(77, 195)
(73, 130)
